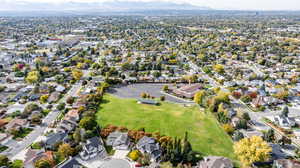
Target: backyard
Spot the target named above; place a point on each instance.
(170, 119)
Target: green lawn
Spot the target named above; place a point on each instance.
(170, 119)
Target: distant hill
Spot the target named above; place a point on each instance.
(111, 6)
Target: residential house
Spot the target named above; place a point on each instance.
(54, 139)
(286, 163)
(16, 124)
(31, 156)
(34, 155)
(277, 152)
(284, 121)
(70, 120)
(215, 162)
(150, 146)
(118, 140)
(251, 132)
(54, 97)
(70, 163)
(92, 148)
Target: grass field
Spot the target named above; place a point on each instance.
(169, 119)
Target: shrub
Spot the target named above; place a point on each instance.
(134, 155)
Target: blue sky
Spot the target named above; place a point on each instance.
(218, 4)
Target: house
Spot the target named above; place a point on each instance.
(284, 122)
(118, 140)
(251, 132)
(150, 146)
(31, 156)
(92, 148)
(54, 139)
(277, 152)
(215, 162)
(16, 107)
(231, 113)
(286, 163)
(16, 124)
(70, 120)
(235, 121)
(70, 163)
(33, 97)
(54, 97)
(187, 91)
(258, 102)
(147, 101)
(66, 125)
(60, 88)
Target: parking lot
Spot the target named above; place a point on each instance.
(135, 90)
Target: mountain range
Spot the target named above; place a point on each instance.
(108, 6)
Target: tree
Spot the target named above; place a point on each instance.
(242, 124)
(250, 150)
(33, 77)
(222, 97)
(134, 155)
(246, 117)
(269, 136)
(282, 95)
(44, 98)
(219, 68)
(285, 111)
(77, 135)
(42, 163)
(165, 88)
(77, 74)
(65, 150)
(17, 164)
(61, 106)
(144, 95)
(199, 97)
(4, 161)
(284, 140)
(228, 128)
(162, 98)
(36, 118)
(70, 100)
(88, 123)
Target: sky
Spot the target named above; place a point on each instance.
(217, 4)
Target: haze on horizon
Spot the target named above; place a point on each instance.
(214, 4)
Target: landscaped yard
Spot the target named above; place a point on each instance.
(170, 119)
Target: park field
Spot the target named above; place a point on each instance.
(205, 134)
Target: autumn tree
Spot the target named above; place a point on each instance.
(199, 97)
(33, 77)
(219, 68)
(77, 74)
(44, 98)
(42, 163)
(65, 150)
(88, 123)
(250, 150)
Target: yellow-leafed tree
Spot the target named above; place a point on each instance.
(219, 68)
(33, 77)
(77, 74)
(250, 150)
